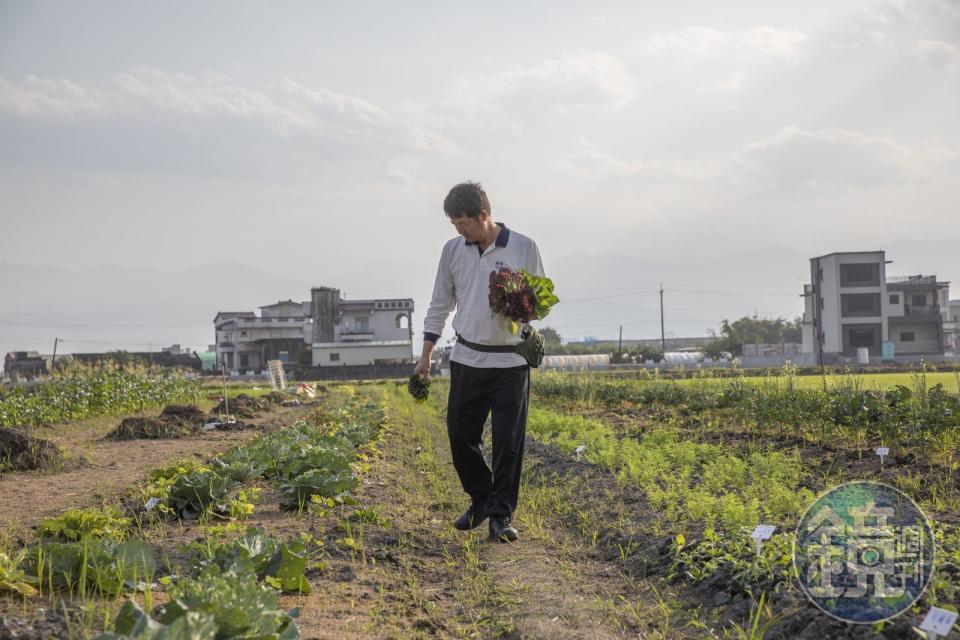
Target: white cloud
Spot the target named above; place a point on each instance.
(569, 82)
(284, 110)
(938, 54)
(148, 120)
(733, 83)
(590, 162)
(797, 159)
(703, 42)
(790, 162)
(51, 97)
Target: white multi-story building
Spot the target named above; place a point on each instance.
(323, 331)
(851, 304)
(360, 331)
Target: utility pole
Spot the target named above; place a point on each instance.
(663, 335)
(53, 360)
(620, 343)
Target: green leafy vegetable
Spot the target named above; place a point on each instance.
(192, 494)
(12, 577)
(419, 387)
(75, 524)
(296, 493)
(239, 605)
(103, 566)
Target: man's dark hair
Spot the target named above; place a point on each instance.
(466, 199)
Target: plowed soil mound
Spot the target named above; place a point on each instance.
(19, 451)
(243, 406)
(185, 413)
(175, 421)
(277, 397)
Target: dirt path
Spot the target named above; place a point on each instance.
(453, 584)
(105, 468)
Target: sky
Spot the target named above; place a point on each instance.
(713, 147)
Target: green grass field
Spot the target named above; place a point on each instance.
(949, 380)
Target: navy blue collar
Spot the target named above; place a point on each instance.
(502, 238)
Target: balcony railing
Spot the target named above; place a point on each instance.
(921, 309)
(911, 280)
(356, 335)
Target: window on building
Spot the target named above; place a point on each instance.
(363, 324)
(861, 337)
(894, 298)
(244, 360)
(866, 274)
(243, 334)
(918, 299)
(854, 305)
(821, 304)
(907, 336)
(334, 357)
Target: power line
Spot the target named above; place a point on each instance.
(615, 295)
(100, 325)
(732, 293)
(628, 323)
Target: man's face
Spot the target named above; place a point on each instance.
(470, 228)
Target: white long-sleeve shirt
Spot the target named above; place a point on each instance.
(463, 282)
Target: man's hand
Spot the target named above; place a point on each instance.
(423, 368)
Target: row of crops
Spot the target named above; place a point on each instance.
(919, 414)
(721, 494)
(714, 459)
(82, 391)
(223, 589)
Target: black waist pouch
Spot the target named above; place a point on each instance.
(531, 346)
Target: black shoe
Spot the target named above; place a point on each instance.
(502, 530)
(471, 518)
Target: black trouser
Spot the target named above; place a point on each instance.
(475, 393)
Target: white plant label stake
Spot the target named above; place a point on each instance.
(151, 503)
(938, 622)
(579, 450)
(761, 533)
(883, 452)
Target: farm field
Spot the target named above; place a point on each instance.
(780, 378)
(333, 519)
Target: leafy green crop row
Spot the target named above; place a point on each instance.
(686, 480)
(308, 461)
(84, 391)
(918, 415)
(229, 589)
(234, 586)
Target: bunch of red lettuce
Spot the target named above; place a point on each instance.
(521, 296)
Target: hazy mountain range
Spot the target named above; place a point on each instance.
(111, 306)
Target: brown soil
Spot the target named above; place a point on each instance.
(19, 451)
(189, 413)
(113, 467)
(245, 407)
(44, 624)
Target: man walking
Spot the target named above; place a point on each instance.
(486, 375)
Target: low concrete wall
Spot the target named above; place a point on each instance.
(355, 372)
(777, 360)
